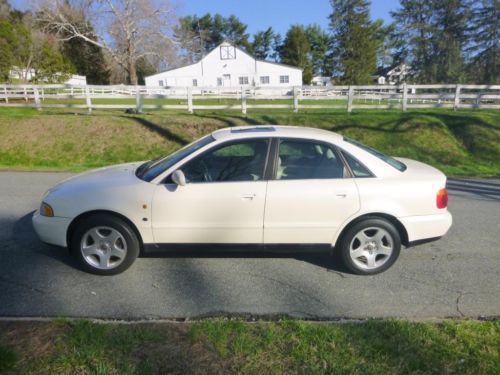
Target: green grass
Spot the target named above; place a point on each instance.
(233, 346)
(465, 142)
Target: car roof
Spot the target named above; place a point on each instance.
(283, 131)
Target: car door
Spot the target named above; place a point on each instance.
(223, 200)
(310, 196)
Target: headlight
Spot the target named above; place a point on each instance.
(46, 210)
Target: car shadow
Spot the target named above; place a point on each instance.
(323, 260)
(25, 238)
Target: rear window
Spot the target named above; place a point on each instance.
(388, 159)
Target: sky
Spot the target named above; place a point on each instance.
(260, 14)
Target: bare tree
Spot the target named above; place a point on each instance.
(128, 30)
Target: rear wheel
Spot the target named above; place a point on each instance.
(104, 245)
(370, 246)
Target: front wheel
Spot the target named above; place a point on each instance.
(104, 245)
(370, 246)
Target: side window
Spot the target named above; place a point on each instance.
(358, 169)
(299, 159)
(240, 161)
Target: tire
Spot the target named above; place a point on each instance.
(370, 246)
(104, 245)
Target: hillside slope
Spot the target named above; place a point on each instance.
(459, 143)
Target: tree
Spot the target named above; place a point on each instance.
(6, 47)
(262, 44)
(437, 33)
(295, 51)
(87, 58)
(485, 48)
(354, 47)
(414, 25)
(50, 65)
(5, 9)
(391, 47)
(451, 18)
(199, 35)
(320, 42)
(129, 30)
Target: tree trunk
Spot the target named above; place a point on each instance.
(131, 65)
(132, 72)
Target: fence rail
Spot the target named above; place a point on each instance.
(242, 98)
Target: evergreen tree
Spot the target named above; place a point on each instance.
(437, 34)
(391, 47)
(414, 25)
(199, 35)
(50, 65)
(485, 49)
(7, 59)
(450, 27)
(320, 42)
(262, 44)
(354, 48)
(295, 51)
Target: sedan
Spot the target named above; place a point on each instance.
(261, 187)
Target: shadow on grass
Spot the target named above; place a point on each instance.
(160, 130)
(229, 120)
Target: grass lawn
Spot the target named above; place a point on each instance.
(234, 346)
(466, 142)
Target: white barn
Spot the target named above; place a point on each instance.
(228, 66)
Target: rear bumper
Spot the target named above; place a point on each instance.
(51, 230)
(428, 227)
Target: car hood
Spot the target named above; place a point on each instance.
(98, 179)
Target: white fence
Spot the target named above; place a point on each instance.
(138, 98)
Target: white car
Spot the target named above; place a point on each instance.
(263, 187)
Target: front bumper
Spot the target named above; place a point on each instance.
(51, 230)
(420, 228)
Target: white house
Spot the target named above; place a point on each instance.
(393, 75)
(321, 81)
(228, 66)
(21, 73)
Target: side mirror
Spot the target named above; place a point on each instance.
(179, 178)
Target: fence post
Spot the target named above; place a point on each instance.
(295, 99)
(6, 97)
(190, 100)
(88, 99)
(243, 101)
(456, 103)
(405, 97)
(350, 94)
(25, 94)
(36, 94)
(138, 100)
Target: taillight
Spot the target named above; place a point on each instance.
(442, 198)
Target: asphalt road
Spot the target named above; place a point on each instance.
(457, 276)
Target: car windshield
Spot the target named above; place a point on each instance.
(389, 160)
(153, 168)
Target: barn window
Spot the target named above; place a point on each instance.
(243, 80)
(284, 79)
(227, 53)
(195, 82)
(264, 80)
(160, 82)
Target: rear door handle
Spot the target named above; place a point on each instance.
(341, 195)
(248, 196)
